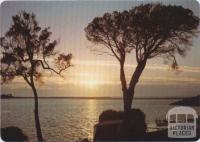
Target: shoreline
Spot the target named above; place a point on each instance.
(94, 98)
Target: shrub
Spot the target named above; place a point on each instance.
(131, 127)
(108, 115)
(134, 125)
(13, 134)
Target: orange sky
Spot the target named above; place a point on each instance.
(91, 71)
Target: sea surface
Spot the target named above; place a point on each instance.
(71, 119)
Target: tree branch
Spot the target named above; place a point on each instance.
(111, 48)
(26, 79)
(49, 68)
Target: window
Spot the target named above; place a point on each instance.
(173, 118)
(190, 118)
(181, 118)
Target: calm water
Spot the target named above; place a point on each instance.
(70, 119)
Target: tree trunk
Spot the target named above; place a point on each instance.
(124, 85)
(129, 94)
(37, 121)
(127, 97)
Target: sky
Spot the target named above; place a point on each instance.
(98, 75)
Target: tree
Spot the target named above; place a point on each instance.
(26, 50)
(151, 30)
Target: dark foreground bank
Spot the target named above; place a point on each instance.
(116, 126)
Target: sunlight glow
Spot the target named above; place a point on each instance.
(89, 79)
(90, 83)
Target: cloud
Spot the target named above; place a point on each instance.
(106, 73)
(151, 66)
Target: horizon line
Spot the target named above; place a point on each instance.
(105, 98)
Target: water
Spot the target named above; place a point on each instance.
(71, 119)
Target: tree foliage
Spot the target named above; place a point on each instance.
(27, 49)
(151, 30)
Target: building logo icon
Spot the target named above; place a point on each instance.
(182, 122)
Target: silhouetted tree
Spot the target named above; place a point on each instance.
(151, 30)
(25, 52)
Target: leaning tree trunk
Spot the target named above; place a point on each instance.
(128, 93)
(36, 113)
(123, 83)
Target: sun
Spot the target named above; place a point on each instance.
(91, 82)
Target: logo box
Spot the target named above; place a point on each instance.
(182, 122)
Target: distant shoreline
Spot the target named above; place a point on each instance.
(94, 98)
